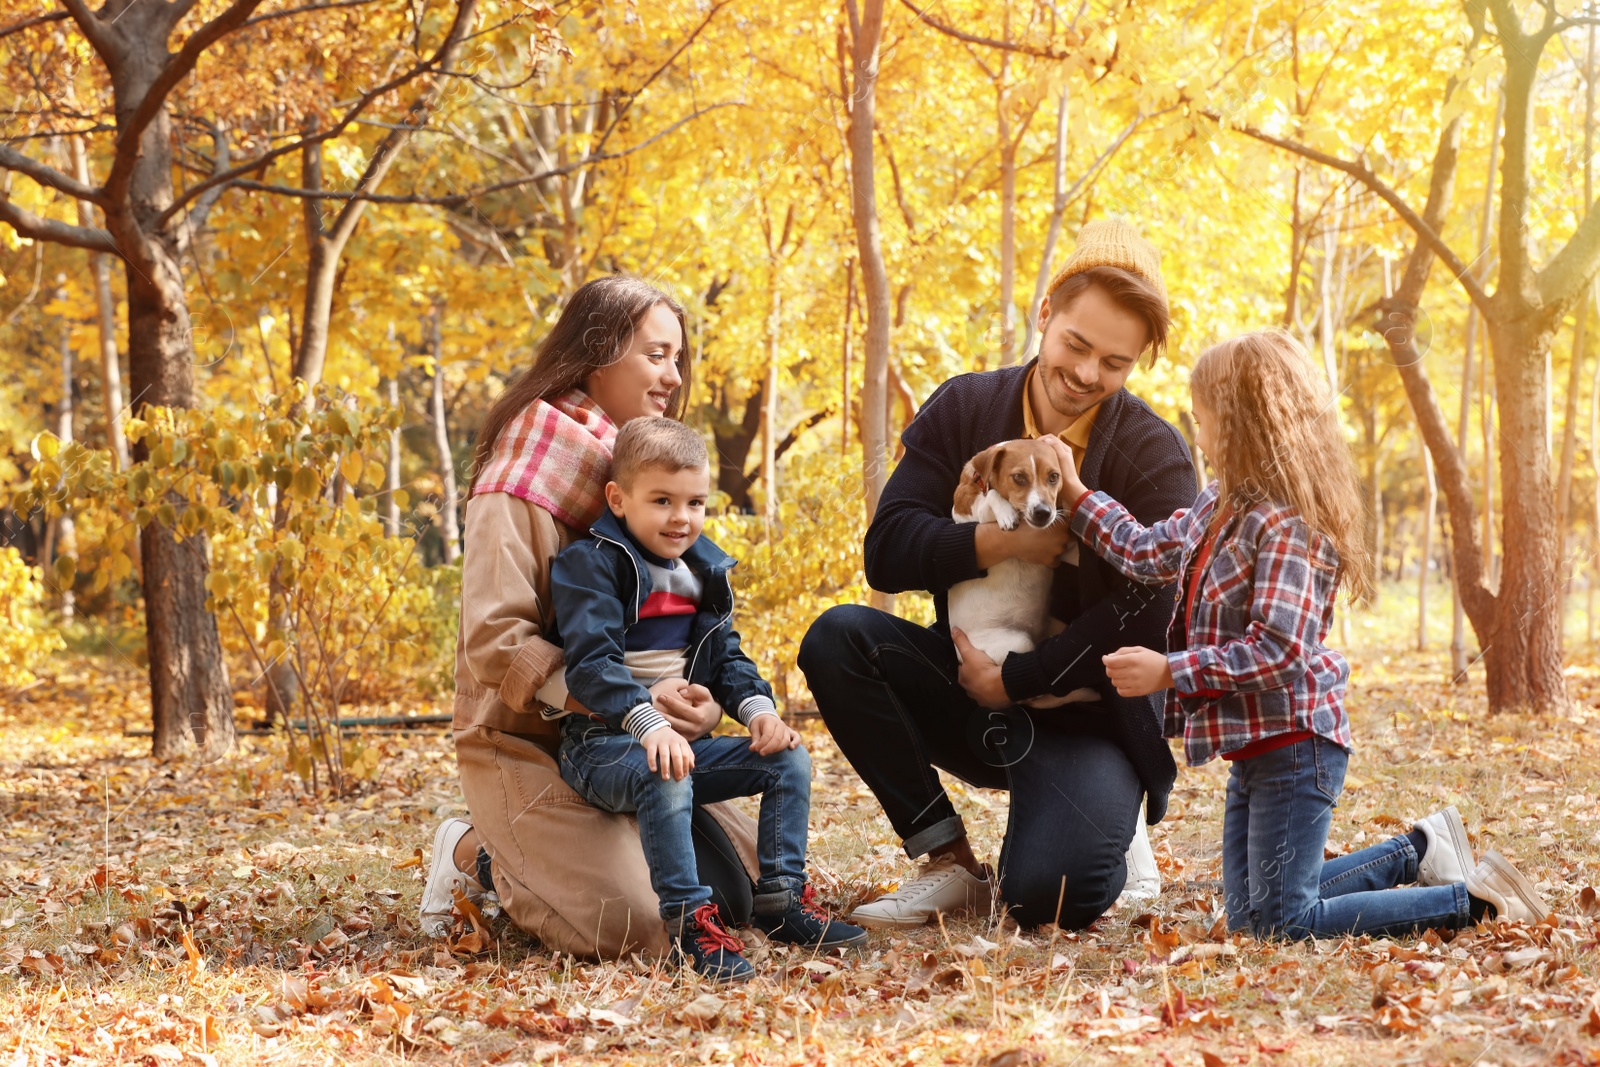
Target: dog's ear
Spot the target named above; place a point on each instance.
(980, 468)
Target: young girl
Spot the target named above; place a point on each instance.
(1261, 555)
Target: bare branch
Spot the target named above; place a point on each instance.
(155, 98)
(29, 23)
(32, 226)
(257, 162)
(1427, 234)
(417, 116)
(11, 159)
(458, 199)
(988, 42)
(291, 12)
(196, 218)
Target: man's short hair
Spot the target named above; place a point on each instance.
(655, 442)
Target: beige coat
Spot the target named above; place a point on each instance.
(569, 874)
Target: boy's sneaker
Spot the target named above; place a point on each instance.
(801, 921)
(705, 943)
(941, 886)
(438, 901)
(1511, 895)
(1449, 856)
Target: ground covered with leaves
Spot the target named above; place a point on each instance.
(216, 915)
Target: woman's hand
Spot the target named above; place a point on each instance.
(690, 710)
(1137, 672)
(980, 675)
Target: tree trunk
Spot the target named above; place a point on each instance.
(733, 446)
(769, 407)
(190, 695)
(1523, 655)
(391, 504)
(848, 345)
(66, 542)
(867, 33)
(1058, 211)
(1008, 230)
(449, 525)
(1426, 558)
(864, 211)
(106, 320)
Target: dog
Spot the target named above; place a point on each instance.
(1008, 609)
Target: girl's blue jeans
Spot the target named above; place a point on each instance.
(610, 771)
(1275, 882)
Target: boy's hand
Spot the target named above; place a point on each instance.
(1137, 672)
(769, 734)
(690, 709)
(665, 751)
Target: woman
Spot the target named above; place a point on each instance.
(569, 874)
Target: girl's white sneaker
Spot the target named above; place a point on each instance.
(1449, 857)
(1494, 879)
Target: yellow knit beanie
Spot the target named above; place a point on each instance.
(1113, 243)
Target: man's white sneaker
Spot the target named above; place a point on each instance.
(1144, 877)
(1494, 879)
(1449, 856)
(941, 885)
(438, 901)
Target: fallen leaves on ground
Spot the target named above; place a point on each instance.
(169, 913)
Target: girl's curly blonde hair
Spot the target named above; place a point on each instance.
(1277, 438)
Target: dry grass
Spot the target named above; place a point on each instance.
(155, 914)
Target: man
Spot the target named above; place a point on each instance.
(893, 693)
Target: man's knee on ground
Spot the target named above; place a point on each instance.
(1061, 894)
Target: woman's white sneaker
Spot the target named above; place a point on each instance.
(1448, 858)
(438, 901)
(940, 886)
(1494, 879)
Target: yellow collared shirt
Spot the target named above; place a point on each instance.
(1076, 435)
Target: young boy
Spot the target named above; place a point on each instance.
(647, 603)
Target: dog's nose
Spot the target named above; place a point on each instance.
(1040, 515)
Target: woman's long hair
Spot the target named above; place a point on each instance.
(1276, 437)
(594, 330)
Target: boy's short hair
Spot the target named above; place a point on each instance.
(659, 442)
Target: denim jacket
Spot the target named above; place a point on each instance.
(597, 587)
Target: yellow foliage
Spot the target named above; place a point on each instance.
(25, 638)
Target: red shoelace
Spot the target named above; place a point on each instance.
(809, 905)
(712, 935)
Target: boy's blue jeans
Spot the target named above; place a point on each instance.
(610, 771)
(1275, 882)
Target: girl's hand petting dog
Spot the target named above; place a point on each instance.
(668, 754)
(1137, 672)
(1072, 486)
(769, 734)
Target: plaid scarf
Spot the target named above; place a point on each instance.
(557, 454)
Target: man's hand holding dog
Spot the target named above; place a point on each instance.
(979, 675)
(1137, 672)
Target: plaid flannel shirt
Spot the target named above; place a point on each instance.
(1255, 665)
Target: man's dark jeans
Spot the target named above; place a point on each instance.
(887, 689)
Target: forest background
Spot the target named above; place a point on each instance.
(265, 265)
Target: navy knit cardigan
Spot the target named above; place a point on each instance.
(1136, 456)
